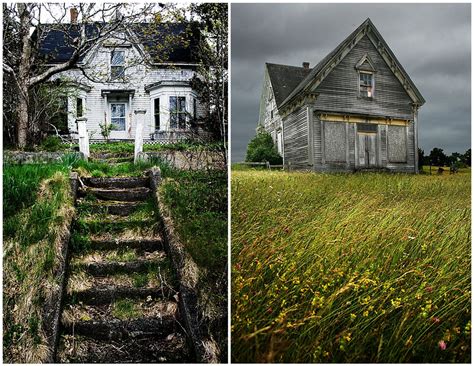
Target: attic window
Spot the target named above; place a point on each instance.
(117, 64)
(366, 84)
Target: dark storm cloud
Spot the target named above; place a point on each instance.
(432, 42)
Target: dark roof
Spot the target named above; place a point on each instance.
(284, 79)
(183, 38)
(315, 72)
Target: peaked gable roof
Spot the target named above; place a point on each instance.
(284, 79)
(328, 63)
(56, 45)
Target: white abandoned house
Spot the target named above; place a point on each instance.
(113, 81)
(357, 109)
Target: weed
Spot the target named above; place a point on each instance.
(125, 309)
(350, 268)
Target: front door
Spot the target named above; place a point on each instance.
(366, 150)
(118, 119)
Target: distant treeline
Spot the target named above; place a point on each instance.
(437, 157)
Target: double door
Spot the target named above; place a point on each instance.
(366, 150)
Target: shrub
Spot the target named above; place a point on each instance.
(261, 149)
(51, 143)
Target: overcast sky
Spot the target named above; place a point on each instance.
(432, 42)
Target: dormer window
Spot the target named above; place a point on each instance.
(117, 64)
(366, 70)
(366, 84)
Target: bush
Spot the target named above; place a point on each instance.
(261, 149)
(51, 143)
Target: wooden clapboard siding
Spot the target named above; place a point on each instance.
(339, 91)
(296, 138)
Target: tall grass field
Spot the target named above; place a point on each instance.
(351, 268)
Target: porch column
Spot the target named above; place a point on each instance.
(140, 122)
(105, 109)
(130, 120)
(83, 136)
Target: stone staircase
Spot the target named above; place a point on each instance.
(121, 303)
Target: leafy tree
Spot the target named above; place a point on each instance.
(438, 157)
(211, 81)
(421, 159)
(26, 69)
(261, 148)
(466, 157)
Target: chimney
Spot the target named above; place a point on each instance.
(74, 13)
(306, 65)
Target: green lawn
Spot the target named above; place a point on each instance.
(350, 267)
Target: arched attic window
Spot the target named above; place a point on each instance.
(366, 77)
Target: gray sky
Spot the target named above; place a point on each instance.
(432, 42)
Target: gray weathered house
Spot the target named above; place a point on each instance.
(357, 109)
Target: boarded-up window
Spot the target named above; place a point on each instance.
(335, 142)
(397, 144)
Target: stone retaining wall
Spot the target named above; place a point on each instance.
(29, 157)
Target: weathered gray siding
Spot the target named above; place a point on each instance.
(295, 133)
(339, 91)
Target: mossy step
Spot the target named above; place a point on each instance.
(112, 160)
(114, 227)
(145, 244)
(123, 309)
(170, 349)
(156, 277)
(97, 296)
(105, 268)
(122, 194)
(109, 207)
(117, 182)
(121, 329)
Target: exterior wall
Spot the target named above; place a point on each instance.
(271, 124)
(335, 146)
(339, 91)
(95, 106)
(296, 142)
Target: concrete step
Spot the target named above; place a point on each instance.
(139, 244)
(109, 207)
(97, 296)
(130, 194)
(117, 182)
(104, 268)
(157, 349)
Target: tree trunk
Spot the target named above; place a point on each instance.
(22, 128)
(23, 75)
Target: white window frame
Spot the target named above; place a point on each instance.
(122, 65)
(372, 83)
(124, 117)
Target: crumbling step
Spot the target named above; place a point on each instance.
(130, 194)
(119, 310)
(111, 207)
(114, 160)
(120, 329)
(106, 268)
(139, 244)
(171, 349)
(119, 182)
(116, 227)
(99, 296)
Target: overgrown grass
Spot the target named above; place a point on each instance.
(33, 232)
(350, 268)
(198, 204)
(20, 184)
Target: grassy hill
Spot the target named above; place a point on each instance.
(350, 268)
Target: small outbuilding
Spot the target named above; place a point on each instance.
(357, 109)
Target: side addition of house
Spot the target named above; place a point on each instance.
(357, 109)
